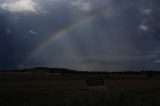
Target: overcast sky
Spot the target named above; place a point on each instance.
(94, 35)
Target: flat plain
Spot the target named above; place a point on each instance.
(28, 89)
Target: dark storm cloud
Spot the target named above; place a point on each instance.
(123, 39)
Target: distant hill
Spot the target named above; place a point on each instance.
(44, 69)
(70, 71)
(54, 70)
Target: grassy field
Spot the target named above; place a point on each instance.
(26, 89)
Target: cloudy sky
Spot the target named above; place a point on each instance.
(94, 35)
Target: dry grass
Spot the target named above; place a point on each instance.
(69, 90)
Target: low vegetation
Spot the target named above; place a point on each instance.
(41, 87)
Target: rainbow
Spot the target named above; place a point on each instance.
(56, 35)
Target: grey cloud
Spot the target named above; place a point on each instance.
(20, 6)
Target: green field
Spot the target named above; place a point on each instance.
(27, 89)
